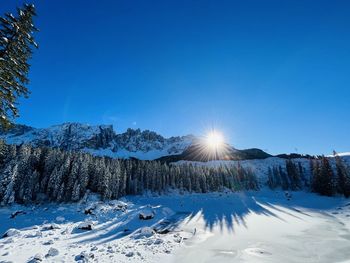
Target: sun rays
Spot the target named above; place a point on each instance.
(214, 140)
(211, 146)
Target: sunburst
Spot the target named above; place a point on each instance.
(211, 146)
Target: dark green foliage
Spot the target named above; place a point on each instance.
(294, 175)
(315, 181)
(343, 176)
(2, 151)
(323, 177)
(326, 177)
(274, 177)
(284, 178)
(289, 178)
(28, 174)
(16, 42)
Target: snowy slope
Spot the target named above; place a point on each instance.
(259, 226)
(99, 140)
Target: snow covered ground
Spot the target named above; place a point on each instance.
(264, 226)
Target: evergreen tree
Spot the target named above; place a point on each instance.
(315, 173)
(270, 179)
(28, 173)
(343, 176)
(16, 42)
(323, 183)
(7, 184)
(284, 178)
(2, 151)
(293, 175)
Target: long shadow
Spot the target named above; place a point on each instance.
(216, 210)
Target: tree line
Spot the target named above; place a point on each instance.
(30, 174)
(292, 177)
(321, 178)
(330, 181)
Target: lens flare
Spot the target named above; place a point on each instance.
(214, 140)
(211, 146)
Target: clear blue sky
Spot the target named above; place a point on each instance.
(269, 74)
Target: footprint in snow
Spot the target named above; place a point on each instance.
(257, 252)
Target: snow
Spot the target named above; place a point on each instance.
(143, 232)
(260, 166)
(263, 226)
(141, 155)
(143, 145)
(52, 252)
(146, 214)
(11, 232)
(87, 225)
(55, 134)
(38, 257)
(340, 154)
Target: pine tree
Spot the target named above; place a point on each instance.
(325, 185)
(272, 182)
(315, 173)
(7, 184)
(293, 175)
(28, 174)
(16, 42)
(2, 151)
(343, 176)
(303, 178)
(284, 179)
(76, 192)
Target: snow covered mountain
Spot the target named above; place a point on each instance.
(100, 140)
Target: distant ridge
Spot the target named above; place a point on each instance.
(102, 140)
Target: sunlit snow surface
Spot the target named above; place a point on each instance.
(259, 226)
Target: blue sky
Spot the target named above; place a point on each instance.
(268, 74)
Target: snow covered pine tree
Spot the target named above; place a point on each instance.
(16, 42)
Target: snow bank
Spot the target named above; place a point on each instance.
(144, 232)
(146, 214)
(217, 227)
(11, 232)
(87, 225)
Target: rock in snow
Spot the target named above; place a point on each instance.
(129, 254)
(11, 232)
(33, 234)
(143, 232)
(50, 227)
(87, 225)
(49, 242)
(52, 252)
(146, 214)
(84, 257)
(37, 258)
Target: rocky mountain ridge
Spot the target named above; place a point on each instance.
(99, 140)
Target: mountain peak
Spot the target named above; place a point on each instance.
(102, 140)
(99, 140)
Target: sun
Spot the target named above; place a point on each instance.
(211, 146)
(214, 140)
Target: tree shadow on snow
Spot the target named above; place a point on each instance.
(218, 211)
